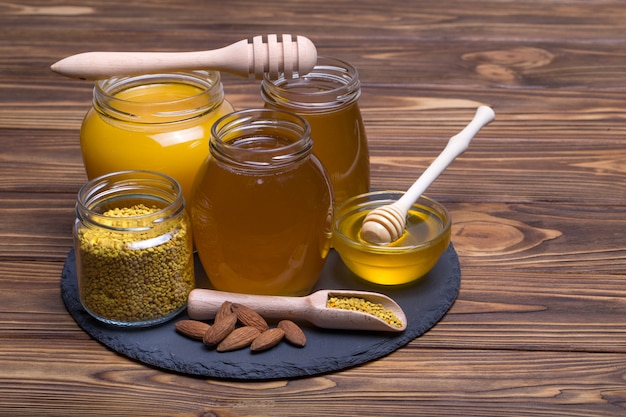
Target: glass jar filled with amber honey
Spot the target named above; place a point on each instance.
(262, 210)
(157, 122)
(327, 98)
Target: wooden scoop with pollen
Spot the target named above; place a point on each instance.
(256, 57)
(203, 304)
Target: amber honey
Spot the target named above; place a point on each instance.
(262, 209)
(426, 237)
(342, 148)
(328, 99)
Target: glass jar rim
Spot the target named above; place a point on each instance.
(232, 138)
(107, 103)
(331, 84)
(140, 184)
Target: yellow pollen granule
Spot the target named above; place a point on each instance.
(134, 275)
(364, 306)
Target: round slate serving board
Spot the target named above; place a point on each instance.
(425, 302)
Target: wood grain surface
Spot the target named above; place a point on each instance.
(537, 202)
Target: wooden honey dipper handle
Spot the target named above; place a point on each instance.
(254, 57)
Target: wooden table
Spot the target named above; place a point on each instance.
(539, 326)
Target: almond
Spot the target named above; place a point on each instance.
(238, 338)
(293, 332)
(220, 329)
(249, 317)
(268, 339)
(192, 328)
(224, 310)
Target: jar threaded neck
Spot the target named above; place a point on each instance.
(331, 85)
(127, 188)
(204, 94)
(260, 139)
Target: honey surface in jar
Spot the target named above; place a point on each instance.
(340, 142)
(148, 128)
(262, 232)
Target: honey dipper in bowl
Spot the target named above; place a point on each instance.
(272, 54)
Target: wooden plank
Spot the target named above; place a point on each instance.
(575, 155)
(36, 226)
(82, 381)
(445, 19)
(519, 236)
(497, 308)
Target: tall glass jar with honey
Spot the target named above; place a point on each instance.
(156, 122)
(327, 98)
(262, 211)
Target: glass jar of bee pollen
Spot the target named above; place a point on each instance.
(134, 248)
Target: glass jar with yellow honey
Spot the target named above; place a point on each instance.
(262, 210)
(327, 98)
(157, 122)
(134, 248)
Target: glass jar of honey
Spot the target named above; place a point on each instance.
(134, 248)
(156, 122)
(262, 210)
(327, 98)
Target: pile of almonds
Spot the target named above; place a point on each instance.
(225, 335)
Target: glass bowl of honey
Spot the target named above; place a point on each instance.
(425, 238)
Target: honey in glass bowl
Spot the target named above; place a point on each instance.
(425, 238)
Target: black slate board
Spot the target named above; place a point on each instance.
(425, 302)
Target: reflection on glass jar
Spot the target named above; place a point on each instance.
(327, 98)
(134, 248)
(157, 122)
(262, 209)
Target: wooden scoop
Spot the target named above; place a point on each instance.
(257, 56)
(203, 305)
(386, 224)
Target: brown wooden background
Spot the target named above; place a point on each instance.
(537, 202)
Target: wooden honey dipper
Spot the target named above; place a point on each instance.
(386, 224)
(249, 57)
